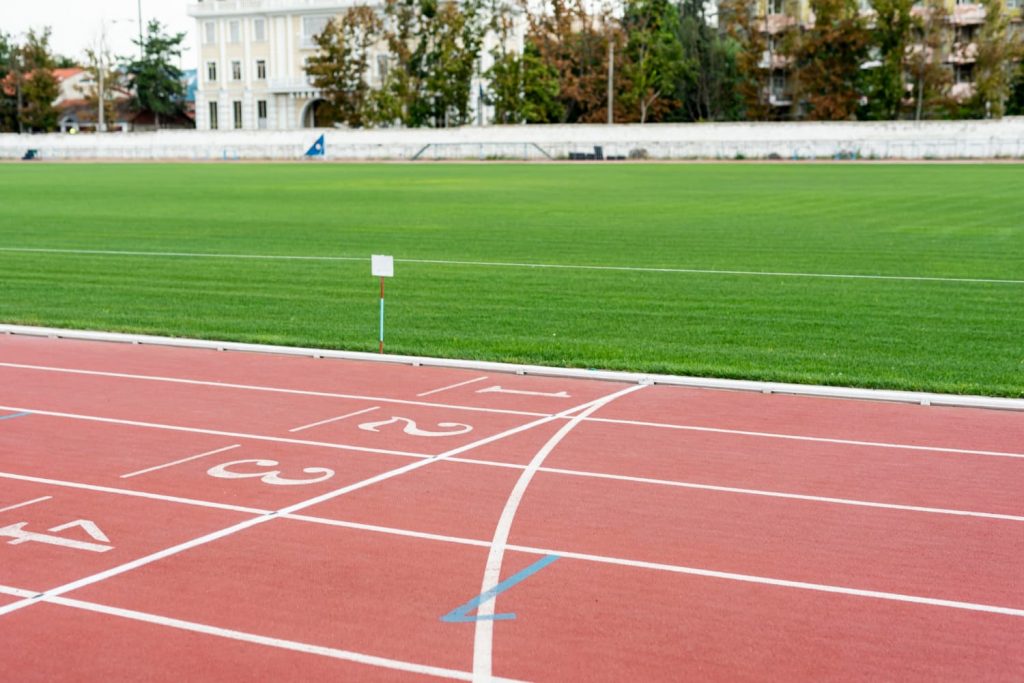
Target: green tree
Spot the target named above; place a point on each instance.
(156, 82)
(98, 62)
(708, 88)
(998, 53)
(450, 48)
(891, 37)
(341, 67)
(394, 102)
(655, 56)
(9, 66)
(1015, 104)
(828, 58)
(742, 25)
(522, 88)
(35, 84)
(930, 78)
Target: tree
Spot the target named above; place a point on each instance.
(450, 44)
(931, 79)
(891, 36)
(742, 27)
(99, 61)
(35, 84)
(157, 83)
(522, 88)
(998, 52)
(655, 56)
(8, 89)
(708, 88)
(828, 58)
(341, 67)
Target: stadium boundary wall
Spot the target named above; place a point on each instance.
(992, 139)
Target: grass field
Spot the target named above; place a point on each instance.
(917, 221)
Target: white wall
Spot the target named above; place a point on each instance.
(886, 140)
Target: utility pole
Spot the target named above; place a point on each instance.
(611, 80)
(142, 52)
(102, 118)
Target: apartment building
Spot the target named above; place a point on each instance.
(959, 54)
(252, 55)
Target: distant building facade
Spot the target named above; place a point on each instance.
(252, 56)
(959, 55)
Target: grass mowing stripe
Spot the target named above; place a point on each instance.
(494, 264)
(960, 222)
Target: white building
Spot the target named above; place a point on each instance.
(252, 55)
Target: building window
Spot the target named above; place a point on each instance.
(234, 31)
(311, 28)
(259, 30)
(778, 84)
(261, 113)
(236, 70)
(236, 106)
(964, 73)
(213, 116)
(209, 32)
(775, 7)
(382, 67)
(211, 71)
(261, 69)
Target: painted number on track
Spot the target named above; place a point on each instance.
(18, 535)
(272, 477)
(413, 429)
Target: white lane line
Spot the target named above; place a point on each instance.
(245, 524)
(231, 634)
(451, 386)
(779, 494)
(796, 437)
(483, 636)
(334, 419)
(234, 435)
(134, 494)
(618, 421)
(506, 264)
(17, 592)
(782, 583)
(673, 568)
(178, 462)
(27, 502)
(253, 387)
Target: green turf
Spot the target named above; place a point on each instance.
(946, 221)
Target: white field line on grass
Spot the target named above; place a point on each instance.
(505, 264)
(483, 634)
(246, 524)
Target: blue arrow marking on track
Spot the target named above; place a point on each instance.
(13, 415)
(462, 613)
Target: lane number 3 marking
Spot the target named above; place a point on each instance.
(273, 477)
(411, 427)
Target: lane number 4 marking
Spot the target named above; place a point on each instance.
(19, 535)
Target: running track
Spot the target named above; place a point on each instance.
(174, 514)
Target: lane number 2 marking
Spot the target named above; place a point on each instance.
(273, 477)
(412, 429)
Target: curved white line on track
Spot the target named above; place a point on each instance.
(505, 264)
(483, 636)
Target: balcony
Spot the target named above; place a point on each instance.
(215, 8)
(292, 86)
(966, 15)
(963, 53)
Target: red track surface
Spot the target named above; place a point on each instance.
(185, 514)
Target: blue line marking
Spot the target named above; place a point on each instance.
(462, 613)
(13, 415)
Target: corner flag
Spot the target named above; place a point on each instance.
(318, 149)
